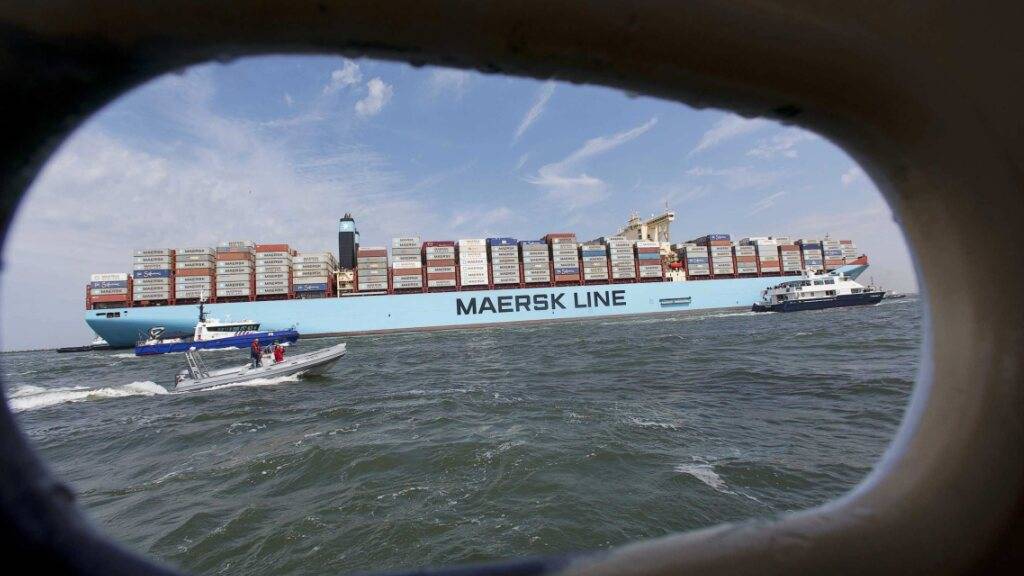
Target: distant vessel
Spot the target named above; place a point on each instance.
(98, 343)
(211, 334)
(815, 291)
(894, 295)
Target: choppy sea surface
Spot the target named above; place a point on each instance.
(475, 445)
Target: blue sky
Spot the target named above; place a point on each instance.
(276, 149)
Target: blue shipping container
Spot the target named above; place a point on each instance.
(567, 270)
(811, 246)
(152, 274)
(109, 284)
(712, 237)
(310, 287)
(697, 259)
(593, 253)
(502, 241)
(649, 256)
(532, 242)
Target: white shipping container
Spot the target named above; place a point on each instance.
(194, 265)
(107, 291)
(193, 258)
(310, 280)
(194, 251)
(109, 277)
(272, 276)
(233, 292)
(407, 259)
(233, 284)
(233, 277)
(271, 255)
(152, 281)
(151, 267)
(406, 265)
(271, 290)
(373, 285)
(440, 283)
(154, 252)
(183, 294)
(153, 260)
(440, 269)
(273, 261)
(271, 283)
(273, 269)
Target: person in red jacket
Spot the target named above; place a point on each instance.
(278, 353)
(256, 352)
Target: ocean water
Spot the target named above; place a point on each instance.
(475, 445)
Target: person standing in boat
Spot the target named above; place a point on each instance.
(256, 352)
(278, 352)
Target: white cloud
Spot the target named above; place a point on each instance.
(765, 203)
(348, 75)
(578, 190)
(217, 178)
(782, 144)
(448, 81)
(543, 95)
(378, 95)
(852, 175)
(738, 177)
(288, 100)
(726, 129)
(481, 221)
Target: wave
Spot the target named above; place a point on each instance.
(706, 474)
(26, 398)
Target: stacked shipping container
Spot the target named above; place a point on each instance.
(472, 259)
(504, 254)
(746, 259)
(832, 250)
(720, 251)
(406, 263)
(698, 260)
(273, 271)
(810, 250)
(372, 269)
(153, 273)
(595, 261)
(536, 259)
(623, 261)
(790, 257)
(565, 256)
(440, 260)
(849, 250)
(195, 276)
(313, 274)
(235, 267)
(112, 290)
(648, 259)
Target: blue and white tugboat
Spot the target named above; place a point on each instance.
(210, 334)
(815, 291)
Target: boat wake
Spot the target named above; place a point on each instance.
(26, 398)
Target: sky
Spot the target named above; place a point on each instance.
(277, 149)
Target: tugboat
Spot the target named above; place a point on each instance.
(98, 343)
(816, 291)
(211, 334)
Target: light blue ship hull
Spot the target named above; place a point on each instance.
(406, 312)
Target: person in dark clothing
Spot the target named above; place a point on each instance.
(256, 352)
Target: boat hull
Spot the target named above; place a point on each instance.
(863, 299)
(365, 314)
(243, 341)
(308, 364)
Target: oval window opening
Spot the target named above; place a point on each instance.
(572, 319)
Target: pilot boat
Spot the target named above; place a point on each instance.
(211, 334)
(816, 291)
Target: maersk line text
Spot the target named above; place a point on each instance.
(539, 302)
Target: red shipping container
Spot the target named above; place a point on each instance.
(648, 250)
(567, 277)
(440, 262)
(110, 298)
(559, 235)
(746, 258)
(441, 276)
(371, 253)
(234, 256)
(406, 271)
(194, 272)
(271, 247)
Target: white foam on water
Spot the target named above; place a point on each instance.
(124, 355)
(706, 474)
(652, 424)
(28, 398)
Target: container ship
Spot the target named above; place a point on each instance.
(439, 284)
